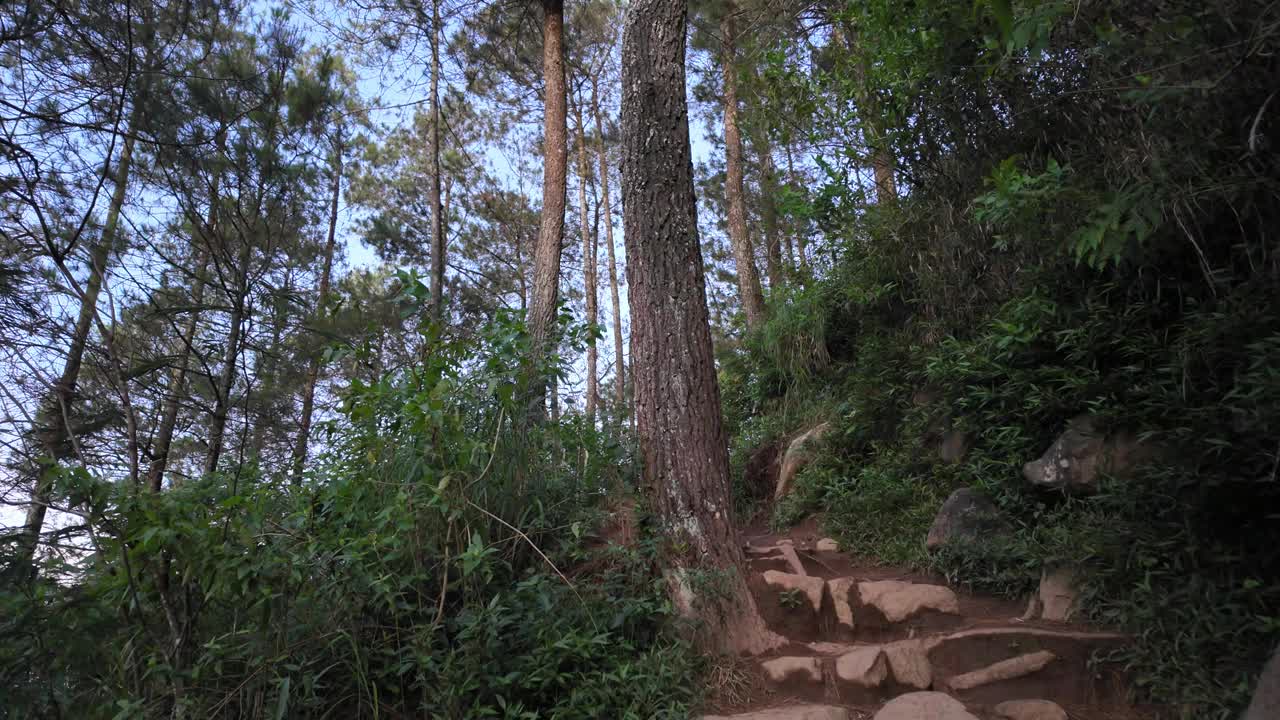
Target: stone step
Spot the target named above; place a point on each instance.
(985, 664)
(803, 677)
(994, 664)
(789, 712)
(804, 608)
(924, 706)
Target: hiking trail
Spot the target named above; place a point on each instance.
(868, 642)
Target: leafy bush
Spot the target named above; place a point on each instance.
(423, 570)
(1085, 231)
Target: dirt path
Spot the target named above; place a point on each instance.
(867, 641)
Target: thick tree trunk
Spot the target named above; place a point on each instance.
(682, 440)
(588, 266)
(546, 258)
(769, 213)
(620, 379)
(437, 209)
(322, 301)
(227, 379)
(53, 432)
(178, 376)
(749, 292)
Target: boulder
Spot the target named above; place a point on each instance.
(1082, 453)
(1058, 595)
(790, 712)
(798, 454)
(827, 545)
(966, 516)
(1266, 696)
(924, 706)
(1030, 710)
(897, 600)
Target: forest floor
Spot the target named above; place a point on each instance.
(868, 641)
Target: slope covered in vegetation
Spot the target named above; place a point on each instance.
(1089, 228)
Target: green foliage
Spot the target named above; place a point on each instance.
(1086, 230)
(421, 571)
(791, 599)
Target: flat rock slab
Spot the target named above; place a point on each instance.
(810, 587)
(870, 666)
(793, 669)
(790, 712)
(1030, 710)
(924, 706)
(898, 600)
(1010, 669)
(865, 667)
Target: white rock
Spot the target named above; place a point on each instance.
(782, 669)
(924, 706)
(827, 545)
(898, 600)
(1010, 669)
(840, 588)
(798, 454)
(865, 666)
(1030, 710)
(909, 663)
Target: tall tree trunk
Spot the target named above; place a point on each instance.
(769, 212)
(437, 209)
(882, 163)
(801, 246)
(749, 292)
(618, 359)
(266, 364)
(178, 376)
(227, 379)
(588, 266)
(53, 432)
(682, 440)
(322, 302)
(546, 259)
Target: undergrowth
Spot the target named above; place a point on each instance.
(438, 562)
(1089, 251)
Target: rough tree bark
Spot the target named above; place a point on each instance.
(322, 300)
(437, 209)
(744, 257)
(546, 255)
(588, 265)
(682, 440)
(620, 380)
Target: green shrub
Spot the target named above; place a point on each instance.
(422, 570)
